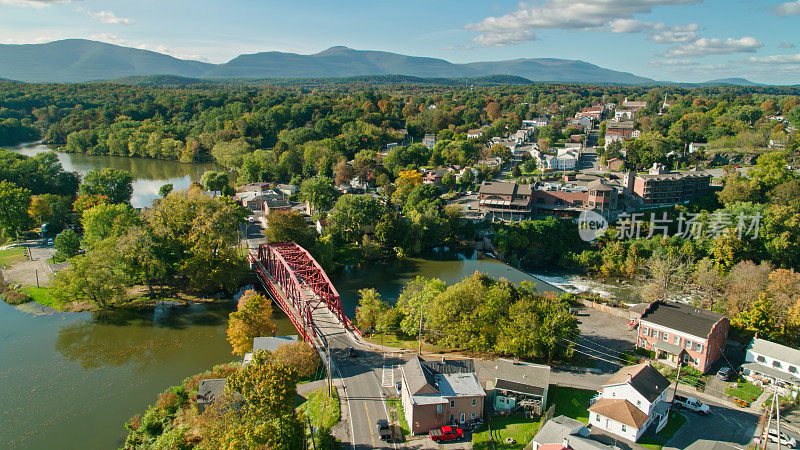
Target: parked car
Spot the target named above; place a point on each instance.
(398, 387)
(786, 440)
(384, 430)
(50, 241)
(351, 352)
(726, 374)
(690, 403)
(446, 433)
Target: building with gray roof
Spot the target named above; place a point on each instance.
(769, 363)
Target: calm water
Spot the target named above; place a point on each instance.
(148, 174)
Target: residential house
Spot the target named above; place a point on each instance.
(209, 391)
(680, 332)
(268, 343)
(567, 159)
(624, 114)
(536, 123)
(696, 147)
(661, 187)
(515, 385)
(615, 164)
(434, 176)
(254, 187)
(391, 145)
(474, 134)
(630, 401)
(768, 363)
(563, 433)
(276, 204)
(438, 393)
(287, 190)
(633, 105)
(429, 140)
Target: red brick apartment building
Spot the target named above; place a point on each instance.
(653, 189)
(677, 330)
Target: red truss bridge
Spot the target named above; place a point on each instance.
(297, 283)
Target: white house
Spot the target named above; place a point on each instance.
(696, 147)
(566, 160)
(768, 363)
(631, 400)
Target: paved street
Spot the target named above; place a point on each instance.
(723, 423)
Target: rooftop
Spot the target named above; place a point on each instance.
(775, 351)
(459, 385)
(682, 317)
(208, 391)
(620, 410)
(559, 428)
(643, 377)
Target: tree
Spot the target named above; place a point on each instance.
(299, 356)
(417, 297)
(252, 319)
(370, 309)
(318, 191)
(39, 208)
(231, 154)
(116, 185)
(352, 215)
(139, 253)
(343, 172)
(214, 181)
(67, 245)
(165, 189)
(538, 327)
(14, 203)
(448, 180)
(467, 177)
(288, 226)
(104, 221)
(771, 170)
(667, 275)
(738, 189)
(85, 201)
(95, 277)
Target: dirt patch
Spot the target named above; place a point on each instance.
(25, 273)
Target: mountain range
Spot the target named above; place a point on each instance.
(79, 60)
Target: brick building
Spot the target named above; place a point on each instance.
(663, 188)
(677, 330)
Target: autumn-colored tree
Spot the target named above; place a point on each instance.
(88, 201)
(493, 110)
(299, 356)
(370, 309)
(252, 319)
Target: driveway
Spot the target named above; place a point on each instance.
(725, 424)
(603, 337)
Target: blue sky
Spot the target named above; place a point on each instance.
(679, 40)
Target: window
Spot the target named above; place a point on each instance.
(598, 418)
(698, 347)
(452, 403)
(645, 331)
(761, 359)
(654, 333)
(793, 369)
(438, 409)
(474, 402)
(664, 337)
(638, 403)
(462, 417)
(676, 340)
(472, 416)
(688, 344)
(624, 428)
(776, 364)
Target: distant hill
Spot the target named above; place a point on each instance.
(78, 60)
(74, 60)
(731, 82)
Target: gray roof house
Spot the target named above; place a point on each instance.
(209, 391)
(440, 392)
(269, 343)
(770, 363)
(514, 383)
(561, 433)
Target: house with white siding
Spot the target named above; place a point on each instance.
(631, 401)
(771, 364)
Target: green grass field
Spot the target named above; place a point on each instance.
(321, 409)
(572, 402)
(676, 421)
(13, 255)
(744, 391)
(42, 296)
(395, 406)
(515, 426)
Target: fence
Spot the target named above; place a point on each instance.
(610, 310)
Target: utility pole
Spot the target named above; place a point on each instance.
(765, 433)
(311, 428)
(675, 391)
(777, 414)
(419, 333)
(330, 381)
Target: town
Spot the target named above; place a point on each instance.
(570, 225)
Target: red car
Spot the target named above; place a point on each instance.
(446, 433)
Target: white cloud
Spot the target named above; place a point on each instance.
(674, 63)
(785, 44)
(503, 38)
(787, 9)
(108, 17)
(38, 4)
(589, 15)
(775, 59)
(664, 34)
(714, 46)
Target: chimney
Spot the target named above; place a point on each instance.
(565, 443)
(630, 378)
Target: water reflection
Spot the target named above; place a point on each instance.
(148, 174)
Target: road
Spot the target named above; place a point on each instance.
(364, 397)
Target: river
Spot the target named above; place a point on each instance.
(148, 174)
(71, 380)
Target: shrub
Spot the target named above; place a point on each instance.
(152, 423)
(169, 403)
(172, 439)
(13, 297)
